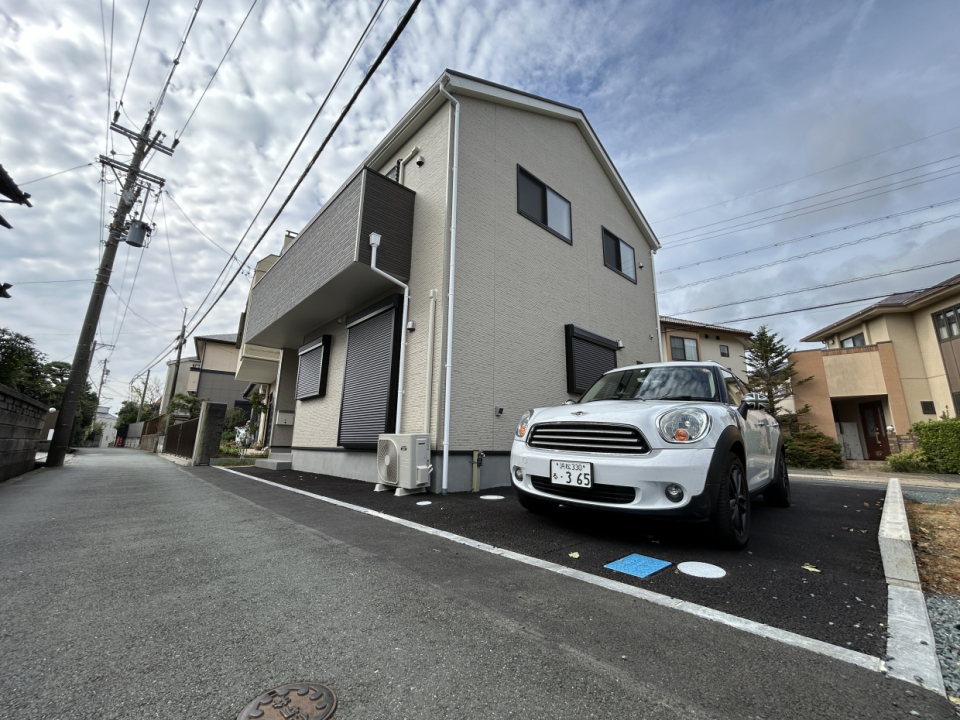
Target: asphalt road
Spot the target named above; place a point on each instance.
(831, 528)
(133, 588)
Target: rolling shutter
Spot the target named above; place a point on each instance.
(588, 357)
(312, 369)
(369, 403)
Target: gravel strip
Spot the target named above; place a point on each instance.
(936, 498)
(945, 620)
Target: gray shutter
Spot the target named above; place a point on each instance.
(588, 357)
(308, 374)
(367, 402)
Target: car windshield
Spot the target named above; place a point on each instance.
(678, 382)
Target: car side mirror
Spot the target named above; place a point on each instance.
(744, 406)
(569, 402)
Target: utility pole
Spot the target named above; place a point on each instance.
(83, 355)
(143, 395)
(176, 368)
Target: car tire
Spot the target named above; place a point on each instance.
(533, 504)
(778, 494)
(731, 515)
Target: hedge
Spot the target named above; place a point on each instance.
(810, 448)
(940, 442)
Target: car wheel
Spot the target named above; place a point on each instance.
(778, 494)
(533, 504)
(731, 516)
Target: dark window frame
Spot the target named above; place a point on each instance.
(322, 343)
(724, 351)
(619, 240)
(860, 335)
(573, 331)
(942, 316)
(537, 221)
(927, 407)
(683, 339)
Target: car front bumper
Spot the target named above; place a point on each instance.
(648, 475)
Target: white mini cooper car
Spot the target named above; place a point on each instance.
(669, 439)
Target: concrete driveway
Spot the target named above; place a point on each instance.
(133, 588)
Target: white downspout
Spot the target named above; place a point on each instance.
(430, 333)
(403, 163)
(374, 244)
(453, 260)
(656, 304)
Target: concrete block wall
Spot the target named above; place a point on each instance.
(21, 422)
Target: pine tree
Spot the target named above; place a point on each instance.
(770, 372)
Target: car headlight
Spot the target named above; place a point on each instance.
(524, 424)
(683, 425)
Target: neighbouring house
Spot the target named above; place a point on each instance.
(109, 422)
(530, 273)
(212, 377)
(884, 368)
(183, 380)
(689, 340)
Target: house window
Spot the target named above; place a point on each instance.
(314, 360)
(928, 407)
(588, 357)
(682, 348)
(542, 204)
(619, 256)
(370, 374)
(949, 323)
(724, 351)
(853, 341)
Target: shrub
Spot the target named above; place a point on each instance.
(940, 443)
(809, 448)
(910, 461)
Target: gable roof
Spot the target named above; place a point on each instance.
(666, 320)
(458, 83)
(898, 302)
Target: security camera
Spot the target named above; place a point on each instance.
(420, 160)
(640, 265)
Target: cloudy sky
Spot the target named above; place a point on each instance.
(736, 126)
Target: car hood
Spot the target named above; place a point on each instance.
(629, 412)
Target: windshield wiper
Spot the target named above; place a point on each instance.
(681, 397)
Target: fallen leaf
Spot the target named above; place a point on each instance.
(863, 531)
(810, 567)
(574, 555)
(866, 504)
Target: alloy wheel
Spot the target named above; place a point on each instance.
(738, 499)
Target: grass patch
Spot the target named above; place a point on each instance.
(236, 462)
(935, 532)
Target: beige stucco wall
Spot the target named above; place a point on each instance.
(902, 333)
(318, 419)
(219, 356)
(930, 351)
(517, 284)
(708, 347)
(814, 392)
(855, 374)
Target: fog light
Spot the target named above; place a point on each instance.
(674, 492)
(518, 474)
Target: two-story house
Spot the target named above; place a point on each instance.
(512, 268)
(690, 340)
(884, 368)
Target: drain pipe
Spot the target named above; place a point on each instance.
(429, 383)
(403, 163)
(453, 260)
(374, 244)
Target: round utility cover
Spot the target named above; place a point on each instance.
(300, 700)
(424, 502)
(491, 497)
(702, 570)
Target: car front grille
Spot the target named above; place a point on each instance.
(614, 494)
(588, 437)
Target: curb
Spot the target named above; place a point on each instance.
(911, 649)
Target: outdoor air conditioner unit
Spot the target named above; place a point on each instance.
(403, 462)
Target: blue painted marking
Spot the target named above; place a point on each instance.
(639, 566)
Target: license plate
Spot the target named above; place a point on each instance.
(576, 474)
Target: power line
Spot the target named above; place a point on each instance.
(163, 212)
(176, 60)
(804, 177)
(45, 282)
(366, 78)
(770, 221)
(134, 55)
(819, 307)
(811, 235)
(821, 251)
(129, 298)
(336, 84)
(149, 322)
(203, 234)
(47, 177)
(123, 280)
(829, 192)
(212, 77)
(821, 287)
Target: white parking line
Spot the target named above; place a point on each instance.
(783, 636)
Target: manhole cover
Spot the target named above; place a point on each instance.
(702, 570)
(300, 701)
